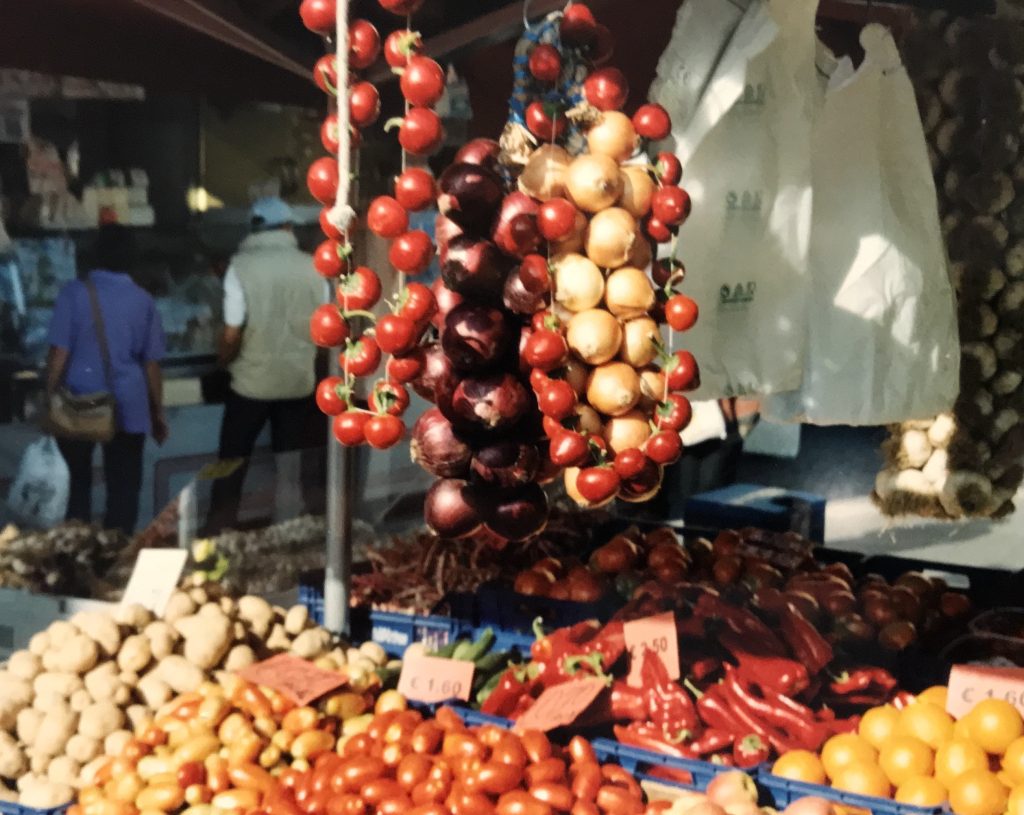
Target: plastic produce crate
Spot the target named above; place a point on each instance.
(638, 761)
(9, 808)
(754, 505)
(987, 588)
(499, 605)
(784, 792)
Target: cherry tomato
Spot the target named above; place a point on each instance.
(545, 320)
(668, 168)
(652, 121)
(322, 179)
(363, 104)
(329, 134)
(603, 46)
(520, 802)
(325, 74)
(328, 400)
(508, 749)
(330, 259)
(350, 428)
(587, 780)
(546, 350)
(403, 8)
(618, 800)
(597, 484)
(664, 447)
(422, 82)
(557, 399)
(558, 796)
(674, 413)
(400, 45)
(578, 25)
(318, 16)
(545, 122)
(415, 189)
(682, 372)
(395, 334)
(533, 272)
(496, 778)
(384, 431)
(420, 132)
(363, 44)
(359, 290)
(681, 312)
(606, 89)
(629, 463)
(412, 770)
(556, 219)
(545, 63)
(552, 427)
(417, 302)
(405, 369)
(386, 218)
(389, 397)
(538, 380)
(411, 252)
(658, 230)
(670, 205)
(569, 449)
(327, 328)
(361, 357)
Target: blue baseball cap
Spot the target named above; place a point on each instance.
(270, 212)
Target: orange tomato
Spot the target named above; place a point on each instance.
(927, 722)
(1015, 803)
(800, 765)
(905, 757)
(863, 778)
(977, 792)
(957, 757)
(1013, 761)
(845, 749)
(921, 791)
(935, 695)
(994, 724)
(962, 729)
(878, 725)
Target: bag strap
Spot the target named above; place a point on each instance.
(101, 332)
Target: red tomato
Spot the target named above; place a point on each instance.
(604, 45)
(361, 357)
(556, 219)
(400, 45)
(363, 104)
(569, 449)
(389, 397)
(658, 230)
(579, 27)
(363, 44)
(674, 413)
(417, 303)
(328, 399)
(411, 252)
(664, 447)
(359, 290)
(331, 259)
(545, 63)
(350, 427)
(420, 132)
(538, 380)
(682, 372)
(395, 334)
(545, 319)
(329, 134)
(668, 168)
(629, 463)
(318, 16)
(422, 82)
(386, 218)
(327, 328)
(597, 484)
(406, 368)
(384, 431)
(403, 8)
(606, 89)
(545, 121)
(322, 179)
(325, 74)
(551, 427)
(681, 312)
(415, 190)
(670, 205)
(652, 121)
(533, 272)
(557, 399)
(545, 350)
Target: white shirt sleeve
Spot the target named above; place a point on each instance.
(234, 300)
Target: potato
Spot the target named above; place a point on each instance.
(60, 631)
(80, 700)
(28, 723)
(13, 762)
(241, 656)
(296, 619)
(24, 665)
(100, 719)
(45, 794)
(179, 674)
(101, 628)
(311, 643)
(133, 616)
(178, 606)
(77, 654)
(154, 691)
(257, 613)
(39, 644)
(82, 748)
(138, 715)
(54, 731)
(58, 683)
(115, 742)
(63, 770)
(162, 638)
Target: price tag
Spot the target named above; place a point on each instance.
(154, 578)
(970, 684)
(435, 679)
(561, 705)
(657, 634)
(298, 679)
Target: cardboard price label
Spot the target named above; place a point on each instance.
(298, 679)
(970, 684)
(561, 705)
(435, 679)
(154, 578)
(658, 634)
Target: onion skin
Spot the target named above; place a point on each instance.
(452, 508)
(515, 231)
(446, 300)
(470, 195)
(436, 448)
(579, 284)
(483, 152)
(637, 191)
(476, 336)
(594, 183)
(612, 135)
(639, 342)
(613, 389)
(519, 514)
(628, 293)
(628, 431)
(518, 299)
(494, 402)
(610, 237)
(475, 268)
(595, 336)
(438, 380)
(506, 463)
(642, 487)
(543, 177)
(445, 231)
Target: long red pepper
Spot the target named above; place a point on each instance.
(806, 642)
(772, 711)
(648, 737)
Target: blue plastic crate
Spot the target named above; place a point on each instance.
(502, 607)
(637, 760)
(784, 792)
(395, 631)
(10, 808)
(753, 505)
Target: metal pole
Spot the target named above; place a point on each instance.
(337, 578)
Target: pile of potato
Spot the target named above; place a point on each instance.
(82, 685)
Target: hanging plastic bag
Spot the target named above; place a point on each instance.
(39, 494)
(745, 150)
(882, 334)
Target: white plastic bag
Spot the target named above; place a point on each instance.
(882, 332)
(745, 149)
(39, 494)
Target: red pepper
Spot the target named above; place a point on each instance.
(627, 702)
(750, 751)
(843, 725)
(807, 644)
(742, 622)
(670, 707)
(610, 643)
(671, 774)
(776, 711)
(778, 673)
(716, 710)
(562, 641)
(711, 741)
(861, 680)
(703, 668)
(649, 737)
(511, 688)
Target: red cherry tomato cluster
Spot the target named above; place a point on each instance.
(422, 82)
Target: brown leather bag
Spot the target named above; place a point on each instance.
(87, 416)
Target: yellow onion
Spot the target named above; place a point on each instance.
(613, 389)
(612, 135)
(543, 177)
(640, 338)
(628, 293)
(652, 388)
(587, 420)
(641, 256)
(594, 336)
(627, 431)
(637, 190)
(579, 284)
(610, 236)
(574, 241)
(593, 182)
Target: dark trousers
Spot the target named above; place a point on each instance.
(244, 419)
(122, 473)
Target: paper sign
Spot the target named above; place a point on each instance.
(435, 679)
(970, 684)
(657, 634)
(298, 679)
(154, 579)
(561, 705)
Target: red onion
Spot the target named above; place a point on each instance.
(480, 151)
(445, 230)
(642, 487)
(446, 301)
(470, 195)
(451, 508)
(492, 402)
(475, 268)
(520, 300)
(438, 379)
(476, 336)
(516, 232)
(519, 514)
(436, 448)
(506, 463)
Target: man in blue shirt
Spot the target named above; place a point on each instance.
(135, 339)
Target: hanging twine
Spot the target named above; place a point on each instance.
(342, 214)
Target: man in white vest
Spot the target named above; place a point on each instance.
(270, 290)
